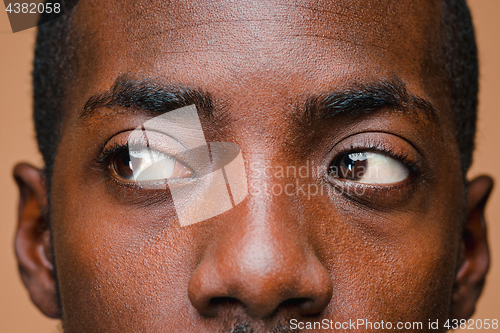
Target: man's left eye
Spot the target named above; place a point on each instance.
(368, 168)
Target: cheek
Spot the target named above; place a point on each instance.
(416, 277)
(118, 268)
(393, 268)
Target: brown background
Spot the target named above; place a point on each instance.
(18, 315)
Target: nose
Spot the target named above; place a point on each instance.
(263, 265)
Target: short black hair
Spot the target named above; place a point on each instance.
(54, 53)
(51, 73)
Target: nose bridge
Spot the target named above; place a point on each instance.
(268, 244)
(261, 259)
(267, 236)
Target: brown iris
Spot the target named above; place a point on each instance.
(148, 165)
(349, 166)
(122, 165)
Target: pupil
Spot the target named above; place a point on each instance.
(351, 166)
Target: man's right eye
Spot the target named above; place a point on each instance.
(147, 165)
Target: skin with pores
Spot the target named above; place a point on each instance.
(397, 253)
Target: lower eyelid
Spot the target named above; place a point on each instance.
(131, 194)
(375, 196)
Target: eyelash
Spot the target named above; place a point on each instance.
(108, 151)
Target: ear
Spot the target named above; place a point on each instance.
(32, 241)
(474, 257)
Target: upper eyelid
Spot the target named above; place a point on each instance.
(383, 143)
(386, 152)
(112, 141)
(377, 142)
(107, 151)
(154, 132)
(121, 147)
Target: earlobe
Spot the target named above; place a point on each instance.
(474, 257)
(32, 241)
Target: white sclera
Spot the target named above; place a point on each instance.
(152, 165)
(382, 169)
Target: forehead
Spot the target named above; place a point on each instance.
(282, 46)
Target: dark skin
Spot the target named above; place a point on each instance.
(409, 251)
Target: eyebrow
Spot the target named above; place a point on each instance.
(365, 98)
(148, 95)
(145, 95)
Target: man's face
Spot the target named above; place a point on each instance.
(317, 85)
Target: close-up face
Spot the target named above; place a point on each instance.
(355, 205)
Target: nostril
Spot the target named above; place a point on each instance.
(306, 305)
(295, 302)
(260, 278)
(218, 305)
(223, 301)
(221, 304)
